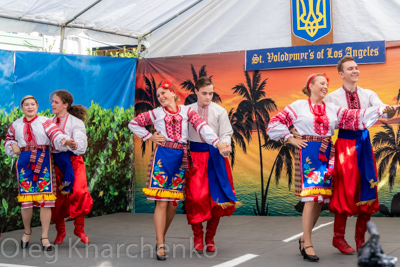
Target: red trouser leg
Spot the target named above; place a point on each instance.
(198, 233)
(212, 225)
(58, 219)
(361, 228)
(60, 227)
(60, 211)
(339, 227)
(79, 229)
(80, 201)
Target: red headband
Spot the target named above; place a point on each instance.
(312, 76)
(167, 85)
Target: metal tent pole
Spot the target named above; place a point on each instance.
(62, 39)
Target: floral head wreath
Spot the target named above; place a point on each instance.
(311, 77)
(167, 85)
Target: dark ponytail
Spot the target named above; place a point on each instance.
(78, 111)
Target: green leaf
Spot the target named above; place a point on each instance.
(5, 205)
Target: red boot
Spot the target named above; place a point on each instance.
(212, 225)
(79, 229)
(198, 233)
(339, 227)
(361, 228)
(60, 227)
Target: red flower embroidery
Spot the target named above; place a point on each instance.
(329, 173)
(313, 176)
(177, 181)
(25, 185)
(42, 184)
(160, 179)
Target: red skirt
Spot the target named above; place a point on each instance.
(78, 202)
(347, 182)
(198, 202)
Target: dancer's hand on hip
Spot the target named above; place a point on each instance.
(16, 149)
(157, 138)
(299, 143)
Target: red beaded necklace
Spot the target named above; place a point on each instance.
(172, 112)
(315, 113)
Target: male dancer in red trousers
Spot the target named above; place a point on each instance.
(209, 191)
(355, 180)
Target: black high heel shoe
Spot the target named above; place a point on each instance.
(161, 257)
(301, 251)
(309, 257)
(25, 244)
(45, 248)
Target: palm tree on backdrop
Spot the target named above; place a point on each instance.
(188, 85)
(241, 133)
(255, 109)
(398, 98)
(146, 100)
(284, 159)
(387, 151)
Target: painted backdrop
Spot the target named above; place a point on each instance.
(262, 169)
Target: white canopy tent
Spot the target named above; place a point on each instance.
(183, 27)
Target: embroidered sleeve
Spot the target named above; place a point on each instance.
(278, 126)
(357, 119)
(55, 135)
(9, 140)
(202, 127)
(137, 125)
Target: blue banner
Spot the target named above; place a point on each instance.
(107, 81)
(314, 55)
(6, 80)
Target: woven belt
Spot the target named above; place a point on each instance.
(32, 148)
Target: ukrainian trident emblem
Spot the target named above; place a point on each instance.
(311, 19)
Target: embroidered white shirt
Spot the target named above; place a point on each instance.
(300, 116)
(76, 129)
(217, 118)
(44, 132)
(366, 98)
(174, 127)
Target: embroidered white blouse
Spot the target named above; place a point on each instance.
(217, 118)
(44, 132)
(174, 127)
(76, 129)
(359, 99)
(299, 115)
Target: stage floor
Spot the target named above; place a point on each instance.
(128, 239)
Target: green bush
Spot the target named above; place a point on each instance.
(108, 160)
(10, 218)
